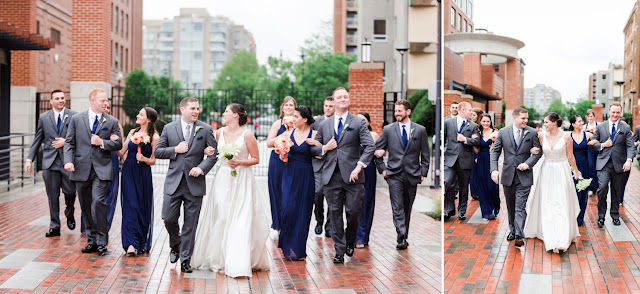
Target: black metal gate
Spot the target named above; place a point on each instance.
(390, 99)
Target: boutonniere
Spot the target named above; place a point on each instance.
(411, 133)
(65, 118)
(195, 131)
(344, 129)
(525, 133)
(104, 119)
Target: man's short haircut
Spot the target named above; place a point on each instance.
(187, 100)
(95, 92)
(405, 103)
(56, 91)
(328, 98)
(518, 111)
(338, 89)
(454, 102)
(615, 104)
(463, 104)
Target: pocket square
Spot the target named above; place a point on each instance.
(199, 138)
(104, 129)
(528, 139)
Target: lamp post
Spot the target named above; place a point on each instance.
(119, 77)
(365, 55)
(436, 152)
(402, 51)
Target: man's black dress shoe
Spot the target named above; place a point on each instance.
(318, 229)
(350, 250)
(462, 217)
(52, 233)
(90, 249)
(186, 267)
(616, 221)
(601, 222)
(402, 245)
(519, 241)
(327, 233)
(102, 250)
(173, 257)
(71, 223)
(338, 259)
(511, 236)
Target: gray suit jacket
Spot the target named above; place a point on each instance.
(622, 148)
(181, 164)
(514, 157)
(459, 151)
(317, 163)
(78, 148)
(347, 154)
(47, 132)
(414, 160)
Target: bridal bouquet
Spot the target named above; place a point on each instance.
(228, 152)
(287, 121)
(282, 146)
(141, 140)
(583, 184)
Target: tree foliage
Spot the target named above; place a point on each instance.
(424, 112)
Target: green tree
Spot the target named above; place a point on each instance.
(557, 107)
(424, 112)
(582, 106)
(533, 115)
(240, 76)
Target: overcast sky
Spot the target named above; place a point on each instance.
(276, 25)
(565, 41)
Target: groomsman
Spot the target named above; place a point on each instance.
(342, 172)
(454, 111)
(407, 165)
(317, 169)
(460, 135)
(87, 156)
(52, 130)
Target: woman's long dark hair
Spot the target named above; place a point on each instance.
(368, 117)
(152, 116)
(481, 127)
(305, 112)
(573, 120)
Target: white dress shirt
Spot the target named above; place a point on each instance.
(336, 121)
(408, 127)
(92, 117)
(58, 114)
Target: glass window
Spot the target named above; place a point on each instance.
(380, 30)
(459, 22)
(465, 25)
(197, 26)
(453, 17)
(55, 36)
(604, 91)
(604, 76)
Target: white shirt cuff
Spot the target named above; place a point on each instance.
(362, 163)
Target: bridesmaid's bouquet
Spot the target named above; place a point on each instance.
(228, 152)
(282, 146)
(140, 140)
(287, 121)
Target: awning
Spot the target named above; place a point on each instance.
(15, 38)
(472, 90)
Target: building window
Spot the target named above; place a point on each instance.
(116, 57)
(604, 91)
(496, 68)
(116, 20)
(465, 25)
(37, 27)
(459, 22)
(55, 35)
(126, 60)
(604, 76)
(122, 23)
(127, 26)
(379, 29)
(470, 29)
(121, 55)
(453, 17)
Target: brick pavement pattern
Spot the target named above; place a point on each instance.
(479, 259)
(379, 268)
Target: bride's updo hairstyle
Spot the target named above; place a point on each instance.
(554, 117)
(573, 120)
(242, 114)
(305, 112)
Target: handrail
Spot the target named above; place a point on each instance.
(12, 159)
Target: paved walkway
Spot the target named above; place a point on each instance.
(31, 262)
(479, 259)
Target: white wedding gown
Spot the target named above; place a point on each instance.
(552, 207)
(234, 225)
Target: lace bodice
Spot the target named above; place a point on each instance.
(244, 153)
(559, 151)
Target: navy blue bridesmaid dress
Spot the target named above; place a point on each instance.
(298, 191)
(592, 156)
(581, 154)
(137, 200)
(488, 191)
(475, 179)
(368, 206)
(274, 180)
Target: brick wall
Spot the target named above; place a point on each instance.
(21, 13)
(91, 33)
(598, 109)
(54, 74)
(453, 67)
(365, 91)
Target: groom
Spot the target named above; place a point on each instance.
(183, 143)
(517, 177)
(614, 159)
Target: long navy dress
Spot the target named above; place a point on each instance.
(137, 200)
(488, 191)
(112, 192)
(475, 180)
(298, 190)
(274, 180)
(581, 154)
(369, 203)
(592, 156)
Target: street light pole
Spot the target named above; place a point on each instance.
(436, 164)
(402, 51)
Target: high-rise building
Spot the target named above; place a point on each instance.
(540, 97)
(193, 47)
(631, 64)
(607, 86)
(457, 16)
(345, 27)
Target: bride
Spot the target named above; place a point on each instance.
(234, 227)
(553, 206)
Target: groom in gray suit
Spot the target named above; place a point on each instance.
(183, 143)
(614, 159)
(318, 209)
(87, 156)
(407, 166)
(517, 176)
(342, 174)
(52, 130)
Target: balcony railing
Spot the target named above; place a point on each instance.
(13, 153)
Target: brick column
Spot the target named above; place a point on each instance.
(512, 89)
(636, 117)
(91, 50)
(450, 96)
(598, 109)
(365, 91)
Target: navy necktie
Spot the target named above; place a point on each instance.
(613, 131)
(405, 139)
(59, 121)
(95, 125)
(339, 129)
(461, 127)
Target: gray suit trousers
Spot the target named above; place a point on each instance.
(402, 195)
(350, 197)
(605, 176)
(54, 180)
(456, 179)
(92, 195)
(184, 241)
(516, 197)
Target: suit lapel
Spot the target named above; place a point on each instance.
(193, 132)
(332, 127)
(53, 120)
(524, 131)
(511, 139)
(607, 130)
(396, 127)
(85, 118)
(347, 122)
(179, 130)
(409, 138)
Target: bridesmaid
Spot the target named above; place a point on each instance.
(488, 191)
(298, 188)
(580, 152)
(474, 180)
(370, 176)
(592, 154)
(137, 185)
(274, 175)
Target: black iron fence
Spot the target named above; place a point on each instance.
(13, 154)
(390, 99)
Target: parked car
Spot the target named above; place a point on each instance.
(260, 126)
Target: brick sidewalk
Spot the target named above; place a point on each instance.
(479, 259)
(57, 265)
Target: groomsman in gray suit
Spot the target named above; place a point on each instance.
(453, 109)
(460, 135)
(614, 141)
(183, 143)
(342, 171)
(87, 156)
(516, 142)
(407, 165)
(52, 130)
(318, 210)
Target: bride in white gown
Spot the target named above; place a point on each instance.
(552, 207)
(234, 226)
